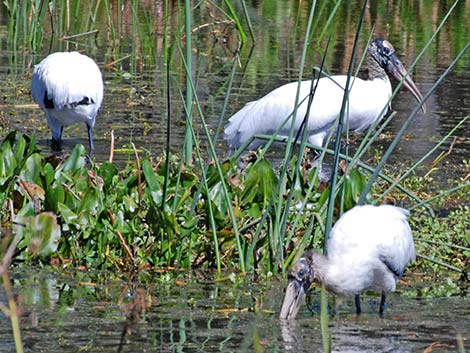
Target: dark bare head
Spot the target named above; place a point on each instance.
(301, 276)
(383, 53)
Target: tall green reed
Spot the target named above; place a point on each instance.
(188, 139)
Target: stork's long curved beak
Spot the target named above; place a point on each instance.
(397, 69)
(294, 297)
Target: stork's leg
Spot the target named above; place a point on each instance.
(90, 138)
(382, 303)
(56, 143)
(357, 300)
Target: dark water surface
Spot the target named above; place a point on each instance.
(134, 104)
(90, 312)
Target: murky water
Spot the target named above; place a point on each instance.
(96, 313)
(134, 106)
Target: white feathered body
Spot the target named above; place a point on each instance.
(72, 85)
(367, 100)
(368, 249)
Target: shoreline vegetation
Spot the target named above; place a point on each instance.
(70, 211)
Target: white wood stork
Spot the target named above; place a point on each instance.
(69, 88)
(367, 100)
(368, 249)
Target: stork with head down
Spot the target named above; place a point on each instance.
(69, 88)
(368, 100)
(368, 248)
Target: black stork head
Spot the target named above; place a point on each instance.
(301, 276)
(384, 54)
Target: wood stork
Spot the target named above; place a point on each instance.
(368, 249)
(367, 100)
(69, 88)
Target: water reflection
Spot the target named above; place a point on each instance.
(133, 66)
(66, 312)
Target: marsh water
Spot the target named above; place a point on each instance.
(92, 312)
(70, 312)
(134, 71)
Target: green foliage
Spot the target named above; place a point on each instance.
(449, 232)
(259, 183)
(102, 215)
(40, 233)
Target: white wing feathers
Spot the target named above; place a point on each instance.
(374, 232)
(67, 78)
(264, 116)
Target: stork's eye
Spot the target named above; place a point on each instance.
(302, 272)
(386, 51)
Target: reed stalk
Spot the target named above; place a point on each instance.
(188, 142)
(420, 161)
(405, 125)
(339, 131)
(326, 337)
(213, 155)
(367, 142)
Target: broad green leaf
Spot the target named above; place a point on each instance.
(8, 162)
(76, 159)
(40, 234)
(20, 148)
(107, 171)
(150, 176)
(32, 168)
(260, 183)
(54, 196)
(68, 216)
(90, 202)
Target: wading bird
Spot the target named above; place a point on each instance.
(367, 102)
(368, 249)
(69, 88)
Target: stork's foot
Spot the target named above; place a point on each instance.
(383, 297)
(56, 145)
(357, 300)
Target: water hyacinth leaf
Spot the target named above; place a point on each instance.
(67, 215)
(150, 176)
(153, 185)
(107, 171)
(260, 183)
(20, 148)
(54, 196)
(8, 162)
(32, 168)
(90, 202)
(354, 184)
(218, 199)
(48, 173)
(76, 159)
(40, 233)
(155, 196)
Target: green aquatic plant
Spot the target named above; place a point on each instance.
(101, 215)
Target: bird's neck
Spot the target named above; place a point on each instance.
(375, 70)
(323, 273)
(320, 265)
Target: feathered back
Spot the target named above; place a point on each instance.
(374, 231)
(67, 77)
